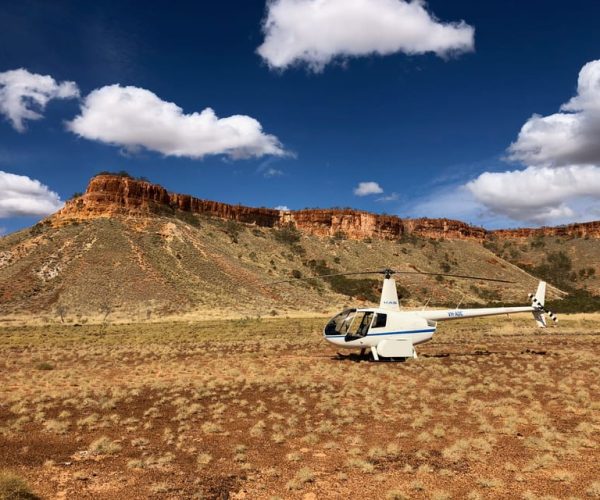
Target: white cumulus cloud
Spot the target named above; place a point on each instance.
(285, 208)
(315, 32)
(570, 137)
(389, 197)
(561, 153)
(134, 118)
(537, 195)
(367, 188)
(21, 195)
(24, 95)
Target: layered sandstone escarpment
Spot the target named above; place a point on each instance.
(352, 224)
(109, 195)
(115, 195)
(577, 230)
(443, 228)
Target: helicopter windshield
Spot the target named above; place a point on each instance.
(350, 323)
(339, 324)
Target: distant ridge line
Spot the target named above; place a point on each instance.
(110, 195)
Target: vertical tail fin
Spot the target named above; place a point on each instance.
(389, 295)
(540, 295)
(537, 302)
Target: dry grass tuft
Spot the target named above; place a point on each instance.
(104, 446)
(13, 487)
(302, 477)
(396, 495)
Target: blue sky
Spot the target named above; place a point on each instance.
(428, 121)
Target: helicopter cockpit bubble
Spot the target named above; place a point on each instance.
(340, 323)
(350, 323)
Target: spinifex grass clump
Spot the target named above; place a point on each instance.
(13, 487)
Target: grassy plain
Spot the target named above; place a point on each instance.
(265, 409)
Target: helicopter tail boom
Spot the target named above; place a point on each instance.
(536, 307)
(453, 314)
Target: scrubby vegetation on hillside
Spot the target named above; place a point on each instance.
(360, 288)
(570, 268)
(123, 173)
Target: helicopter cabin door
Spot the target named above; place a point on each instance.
(359, 326)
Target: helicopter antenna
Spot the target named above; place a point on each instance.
(460, 301)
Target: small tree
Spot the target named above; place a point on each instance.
(105, 308)
(61, 310)
(233, 228)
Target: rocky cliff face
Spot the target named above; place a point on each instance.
(109, 195)
(112, 195)
(578, 230)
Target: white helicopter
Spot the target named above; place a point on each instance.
(389, 332)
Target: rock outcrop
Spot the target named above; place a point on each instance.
(110, 195)
(577, 230)
(115, 195)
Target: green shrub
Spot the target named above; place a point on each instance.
(36, 229)
(538, 242)
(44, 365)
(233, 229)
(364, 289)
(120, 173)
(446, 267)
(287, 234)
(556, 269)
(578, 301)
(188, 218)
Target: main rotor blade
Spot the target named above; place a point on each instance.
(391, 271)
(462, 276)
(325, 276)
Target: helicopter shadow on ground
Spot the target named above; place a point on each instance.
(357, 357)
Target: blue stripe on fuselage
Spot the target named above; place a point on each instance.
(406, 332)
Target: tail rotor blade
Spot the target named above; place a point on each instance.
(536, 303)
(552, 316)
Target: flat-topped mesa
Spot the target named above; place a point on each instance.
(576, 230)
(109, 195)
(115, 195)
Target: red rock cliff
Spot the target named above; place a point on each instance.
(113, 195)
(109, 195)
(577, 230)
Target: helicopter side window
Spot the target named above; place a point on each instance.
(360, 326)
(380, 320)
